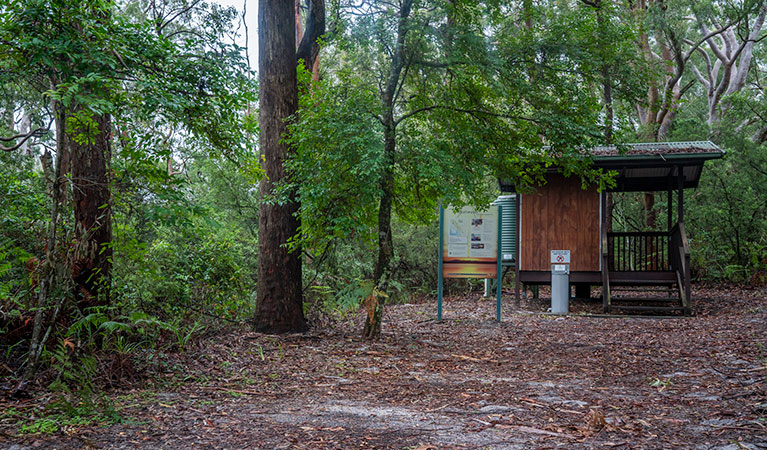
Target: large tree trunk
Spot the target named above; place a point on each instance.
(279, 306)
(92, 253)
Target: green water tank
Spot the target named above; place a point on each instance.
(508, 204)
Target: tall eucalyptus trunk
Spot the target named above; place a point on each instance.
(279, 307)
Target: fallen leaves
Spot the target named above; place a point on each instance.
(595, 420)
(529, 382)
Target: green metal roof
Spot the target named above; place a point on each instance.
(650, 149)
(655, 166)
(651, 166)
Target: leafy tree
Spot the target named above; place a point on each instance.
(729, 209)
(94, 64)
(422, 107)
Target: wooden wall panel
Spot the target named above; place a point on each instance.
(560, 216)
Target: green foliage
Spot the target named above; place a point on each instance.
(728, 215)
(80, 401)
(339, 153)
(350, 297)
(175, 89)
(21, 229)
(340, 279)
(188, 247)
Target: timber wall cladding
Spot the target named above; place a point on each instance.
(560, 216)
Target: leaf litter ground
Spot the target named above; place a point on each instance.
(532, 381)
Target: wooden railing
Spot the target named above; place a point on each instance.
(647, 252)
(638, 251)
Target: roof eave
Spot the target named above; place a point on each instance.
(693, 158)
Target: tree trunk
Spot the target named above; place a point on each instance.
(376, 301)
(92, 253)
(279, 307)
(385, 245)
(308, 47)
(52, 270)
(651, 214)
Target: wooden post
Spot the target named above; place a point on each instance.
(604, 253)
(670, 205)
(440, 281)
(680, 200)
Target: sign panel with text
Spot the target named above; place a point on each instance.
(470, 243)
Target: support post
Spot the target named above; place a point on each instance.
(517, 233)
(680, 201)
(440, 281)
(499, 273)
(669, 208)
(604, 255)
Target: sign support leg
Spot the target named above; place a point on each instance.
(499, 273)
(440, 281)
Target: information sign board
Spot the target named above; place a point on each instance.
(469, 247)
(470, 243)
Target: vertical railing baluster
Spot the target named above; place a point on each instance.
(626, 261)
(626, 256)
(618, 253)
(623, 253)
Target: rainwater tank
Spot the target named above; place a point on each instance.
(508, 204)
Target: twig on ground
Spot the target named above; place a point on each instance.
(733, 427)
(239, 391)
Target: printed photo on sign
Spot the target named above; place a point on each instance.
(476, 237)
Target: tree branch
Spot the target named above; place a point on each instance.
(24, 137)
(687, 86)
(472, 112)
(175, 16)
(309, 48)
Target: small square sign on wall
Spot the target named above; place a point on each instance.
(560, 257)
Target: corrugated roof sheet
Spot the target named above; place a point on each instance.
(656, 148)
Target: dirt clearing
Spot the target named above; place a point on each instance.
(531, 381)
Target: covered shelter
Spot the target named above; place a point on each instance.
(561, 216)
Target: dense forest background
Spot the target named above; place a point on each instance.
(142, 117)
